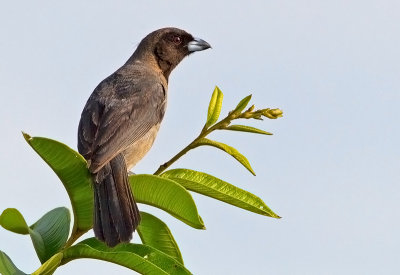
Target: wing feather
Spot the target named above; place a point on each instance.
(121, 110)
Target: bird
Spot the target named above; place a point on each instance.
(119, 124)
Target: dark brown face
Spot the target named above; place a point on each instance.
(173, 45)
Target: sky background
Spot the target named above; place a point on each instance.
(331, 169)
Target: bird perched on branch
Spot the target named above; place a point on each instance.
(120, 122)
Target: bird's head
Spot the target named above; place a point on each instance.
(168, 46)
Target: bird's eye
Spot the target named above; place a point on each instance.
(177, 40)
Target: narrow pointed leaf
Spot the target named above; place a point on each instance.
(228, 149)
(72, 170)
(243, 128)
(242, 104)
(216, 188)
(166, 195)
(214, 108)
(48, 234)
(7, 267)
(155, 233)
(50, 266)
(12, 220)
(140, 258)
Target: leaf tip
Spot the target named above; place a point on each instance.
(26, 136)
(203, 227)
(273, 215)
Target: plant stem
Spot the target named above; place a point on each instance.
(204, 132)
(74, 236)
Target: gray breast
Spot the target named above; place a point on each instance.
(135, 152)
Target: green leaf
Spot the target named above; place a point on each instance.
(211, 186)
(50, 266)
(7, 267)
(228, 149)
(214, 108)
(155, 233)
(12, 220)
(243, 128)
(48, 234)
(242, 104)
(72, 170)
(140, 258)
(166, 195)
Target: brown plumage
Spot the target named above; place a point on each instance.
(120, 122)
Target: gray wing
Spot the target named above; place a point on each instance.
(120, 111)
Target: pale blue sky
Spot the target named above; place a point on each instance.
(332, 169)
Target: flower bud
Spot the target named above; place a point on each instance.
(272, 113)
(277, 112)
(251, 108)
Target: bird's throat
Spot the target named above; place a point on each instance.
(166, 67)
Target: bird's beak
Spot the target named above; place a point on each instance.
(198, 44)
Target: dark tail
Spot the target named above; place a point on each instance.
(116, 215)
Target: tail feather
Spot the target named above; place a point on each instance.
(116, 215)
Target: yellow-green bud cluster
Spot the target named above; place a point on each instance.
(272, 113)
